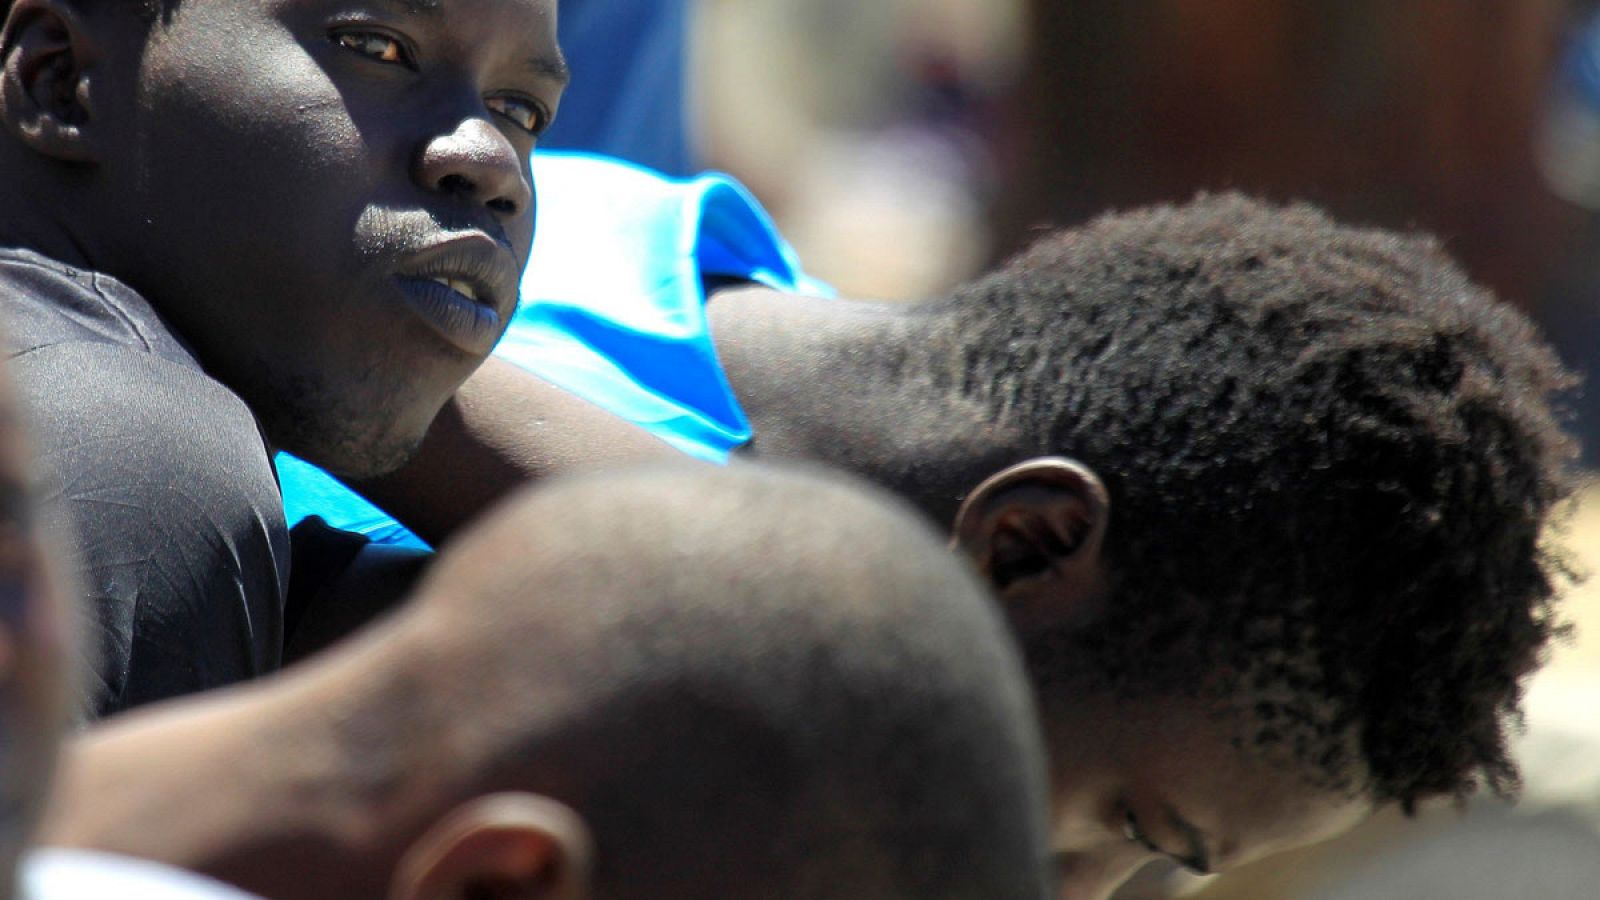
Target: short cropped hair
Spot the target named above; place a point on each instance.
(748, 677)
(1330, 456)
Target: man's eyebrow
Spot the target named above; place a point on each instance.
(417, 7)
(551, 66)
(1199, 859)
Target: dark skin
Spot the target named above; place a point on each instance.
(269, 171)
(504, 427)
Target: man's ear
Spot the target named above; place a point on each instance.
(504, 846)
(45, 96)
(1036, 532)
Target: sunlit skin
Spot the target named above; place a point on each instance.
(1141, 779)
(296, 177)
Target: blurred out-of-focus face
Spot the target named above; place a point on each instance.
(35, 648)
(1140, 779)
(331, 200)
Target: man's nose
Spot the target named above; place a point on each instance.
(475, 161)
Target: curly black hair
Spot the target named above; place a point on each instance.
(1331, 459)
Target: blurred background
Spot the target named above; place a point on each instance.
(904, 145)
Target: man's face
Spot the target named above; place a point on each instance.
(331, 200)
(1137, 780)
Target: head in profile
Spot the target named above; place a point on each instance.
(1271, 529)
(1262, 496)
(671, 683)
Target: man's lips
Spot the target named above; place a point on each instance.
(461, 286)
(464, 288)
(471, 264)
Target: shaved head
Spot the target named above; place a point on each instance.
(748, 677)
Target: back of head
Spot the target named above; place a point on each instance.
(750, 683)
(1329, 455)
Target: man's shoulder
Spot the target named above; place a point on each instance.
(96, 392)
(163, 479)
(47, 302)
(112, 395)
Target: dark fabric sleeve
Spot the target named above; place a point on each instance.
(342, 583)
(322, 554)
(162, 476)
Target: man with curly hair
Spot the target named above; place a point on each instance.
(1262, 495)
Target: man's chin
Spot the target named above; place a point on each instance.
(370, 463)
(355, 428)
(348, 453)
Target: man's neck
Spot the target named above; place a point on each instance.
(36, 223)
(813, 376)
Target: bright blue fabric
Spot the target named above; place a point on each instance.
(613, 309)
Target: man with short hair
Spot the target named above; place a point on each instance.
(235, 227)
(670, 683)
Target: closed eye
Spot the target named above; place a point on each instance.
(1134, 832)
(522, 112)
(378, 46)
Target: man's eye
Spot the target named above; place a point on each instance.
(1135, 833)
(380, 47)
(525, 114)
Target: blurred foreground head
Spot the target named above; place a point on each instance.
(1274, 547)
(34, 649)
(678, 683)
(743, 683)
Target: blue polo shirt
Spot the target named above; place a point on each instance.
(613, 309)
